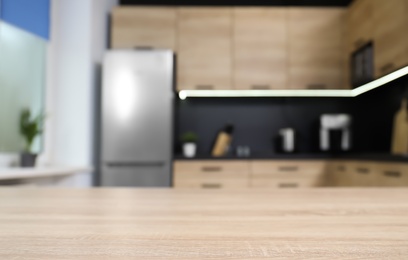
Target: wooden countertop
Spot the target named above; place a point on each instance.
(321, 223)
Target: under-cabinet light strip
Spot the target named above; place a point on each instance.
(183, 94)
(380, 81)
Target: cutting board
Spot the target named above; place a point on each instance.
(400, 131)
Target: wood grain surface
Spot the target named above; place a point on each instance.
(324, 223)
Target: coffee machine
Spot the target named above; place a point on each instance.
(335, 132)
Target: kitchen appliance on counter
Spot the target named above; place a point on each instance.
(286, 140)
(137, 114)
(335, 133)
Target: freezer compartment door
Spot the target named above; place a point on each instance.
(153, 174)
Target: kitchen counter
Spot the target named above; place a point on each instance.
(200, 224)
(39, 172)
(311, 156)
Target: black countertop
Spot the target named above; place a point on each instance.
(317, 156)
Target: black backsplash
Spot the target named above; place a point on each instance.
(258, 120)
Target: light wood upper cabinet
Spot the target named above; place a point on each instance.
(143, 27)
(204, 48)
(390, 40)
(316, 56)
(360, 27)
(260, 47)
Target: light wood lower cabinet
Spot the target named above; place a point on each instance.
(353, 174)
(212, 174)
(339, 174)
(367, 174)
(287, 174)
(222, 174)
(216, 174)
(393, 174)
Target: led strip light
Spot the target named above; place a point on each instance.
(183, 94)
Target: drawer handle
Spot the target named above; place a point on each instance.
(141, 48)
(363, 170)
(204, 87)
(392, 174)
(288, 168)
(211, 169)
(387, 67)
(288, 185)
(316, 86)
(211, 186)
(260, 87)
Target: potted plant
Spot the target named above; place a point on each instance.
(189, 140)
(30, 128)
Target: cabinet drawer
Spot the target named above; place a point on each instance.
(211, 183)
(261, 168)
(209, 167)
(211, 174)
(364, 174)
(393, 174)
(288, 173)
(284, 182)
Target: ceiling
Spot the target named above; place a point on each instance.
(240, 2)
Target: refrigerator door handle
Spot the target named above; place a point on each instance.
(135, 164)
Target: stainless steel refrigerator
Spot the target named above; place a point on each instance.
(137, 116)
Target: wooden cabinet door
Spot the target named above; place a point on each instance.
(214, 174)
(390, 39)
(204, 48)
(340, 174)
(143, 27)
(360, 28)
(260, 47)
(364, 174)
(316, 56)
(393, 175)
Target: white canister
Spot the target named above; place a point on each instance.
(288, 139)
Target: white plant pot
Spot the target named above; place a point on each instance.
(189, 149)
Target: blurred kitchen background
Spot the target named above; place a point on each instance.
(267, 94)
